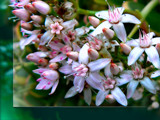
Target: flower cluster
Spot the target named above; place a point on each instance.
(97, 59)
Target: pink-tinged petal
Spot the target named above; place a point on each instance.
(131, 88)
(95, 76)
(40, 70)
(42, 84)
(155, 40)
(98, 30)
(48, 21)
(50, 75)
(155, 74)
(119, 96)
(120, 9)
(96, 85)
(49, 84)
(134, 55)
(54, 87)
(87, 96)
(127, 18)
(75, 47)
(120, 31)
(81, 31)
(148, 84)
(102, 14)
(79, 83)
(58, 58)
(67, 69)
(75, 64)
(101, 97)
(41, 54)
(153, 56)
(70, 24)
(107, 71)
(46, 37)
(134, 43)
(71, 92)
(121, 81)
(99, 64)
(151, 34)
(83, 54)
(56, 45)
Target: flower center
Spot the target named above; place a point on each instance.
(109, 84)
(145, 41)
(138, 73)
(81, 70)
(114, 16)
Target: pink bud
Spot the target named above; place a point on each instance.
(110, 98)
(158, 48)
(109, 34)
(93, 54)
(50, 75)
(94, 21)
(27, 26)
(72, 55)
(42, 7)
(37, 19)
(32, 57)
(22, 14)
(125, 48)
(29, 7)
(114, 69)
(43, 61)
(53, 66)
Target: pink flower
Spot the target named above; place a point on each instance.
(144, 43)
(56, 28)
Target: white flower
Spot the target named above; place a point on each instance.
(116, 19)
(144, 43)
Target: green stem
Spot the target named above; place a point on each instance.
(86, 12)
(150, 6)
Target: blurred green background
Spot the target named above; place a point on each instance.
(25, 79)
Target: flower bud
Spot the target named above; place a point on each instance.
(32, 57)
(94, 21)
(155, 105)
(110, 98)
(53, 66)
(43, 61)
(22, 14)
(93, 54)
(125, 48)
(114, 69)
(108, 33)
(27, 26)
(37, 19)
(29, 7)
(72, 55)
(42, 7)
(50, 75)
(158, 48)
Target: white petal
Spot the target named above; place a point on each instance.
(155, 74)
(102, 14)
(119, 96)
(127, 18)
(107, 71)
(79, 83)
(120, 9)
(153, 56)
(58, 58)
(71, 92)
(96, 76)
(46, 37)
(134, 43)
(83, 54)
(148, 84)
(100, 97)
(98, 30)
(88, 96)
(70, 24)
(67, 69)
(151, 34)
(121, 81)
(155, 40)
(131, 88)
(99, 64)
(54, 87)
(48, 21)
(134, 55)
(120, 31)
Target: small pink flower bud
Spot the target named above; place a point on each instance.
(125, 48)
(114, 69)
(72, 55)
(93, 54)
(50, 75)
(110, 98)
(42, 7)
(29, 7)
(94, 21)
(109, 34)
(22, 14)
(32, 57)
(37, 19)
(53, 66)
(42, 61)
(27, 26)
(158, 48)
